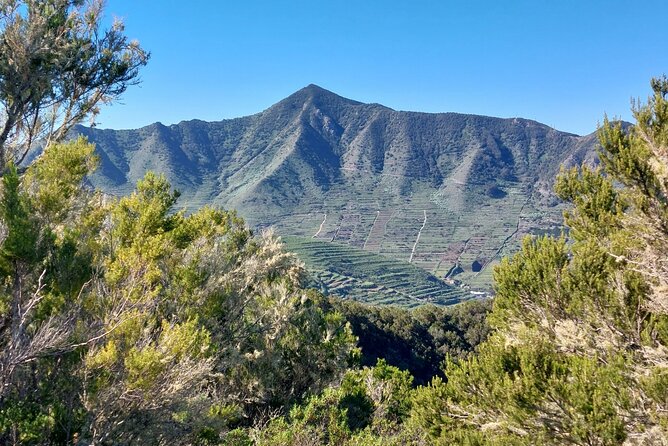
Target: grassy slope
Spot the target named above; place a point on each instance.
(371, 278)
(374, 172)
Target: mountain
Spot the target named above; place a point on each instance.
(447, 192)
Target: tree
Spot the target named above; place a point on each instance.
(49, 222)
(416, 340)
(368, 408)
(215, 322)
(56, 66)
(579, 351)
(124, 320)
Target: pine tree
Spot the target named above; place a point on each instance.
(579, 352)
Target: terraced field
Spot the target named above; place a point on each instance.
(370, 278)
(446, 193)
(422, 229)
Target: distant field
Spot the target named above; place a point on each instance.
(460, 239)
(371, 278)
(449, 193)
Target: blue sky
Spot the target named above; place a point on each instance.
(561, 62)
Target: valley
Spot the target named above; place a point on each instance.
(448, 193)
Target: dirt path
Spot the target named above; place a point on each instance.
(321, 226)
(424, 223)
(371, 230)
(506, 240)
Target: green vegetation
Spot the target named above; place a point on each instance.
(356, 274)
(368, 408)
(128, 321)
(417, 340)
(316, 165)
(124, 322)
(56, 66)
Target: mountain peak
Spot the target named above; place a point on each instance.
(321, 166)
(317, 95)
(316, 89)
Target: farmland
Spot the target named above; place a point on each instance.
(461, 245)
(370, 278)
(446, 193)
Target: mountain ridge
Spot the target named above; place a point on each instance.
(316, 164)
(314, 89)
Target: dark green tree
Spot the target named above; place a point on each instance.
(416, 340)
(579, 349)
(56, 66)
(125, 321)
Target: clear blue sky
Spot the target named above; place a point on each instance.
(560, 62)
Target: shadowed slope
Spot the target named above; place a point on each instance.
(470, 185)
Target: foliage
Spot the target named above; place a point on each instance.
(124, 321)
(56, 66)
(416, 340)
(45, 268)
(578, 352)
(530, 392)
(368, 408)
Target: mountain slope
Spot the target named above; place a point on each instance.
(448, 192)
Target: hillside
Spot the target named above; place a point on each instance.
(447, 192)
(371, 278)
